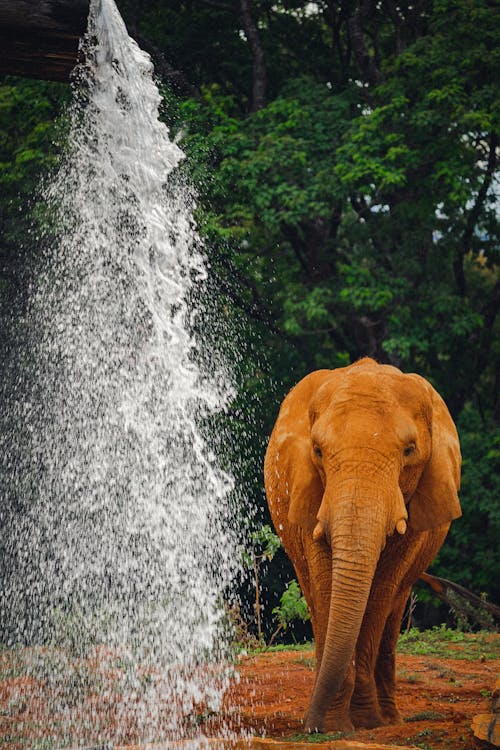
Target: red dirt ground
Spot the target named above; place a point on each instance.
(437, 696)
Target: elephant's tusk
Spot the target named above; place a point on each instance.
(401, 526)
(318, 532)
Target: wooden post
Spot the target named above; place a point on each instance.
(39, 38)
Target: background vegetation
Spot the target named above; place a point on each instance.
(345, 155)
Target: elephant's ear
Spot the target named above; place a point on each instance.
(435, 501)
(305, 487)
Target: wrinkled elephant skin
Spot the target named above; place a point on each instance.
(362, 473)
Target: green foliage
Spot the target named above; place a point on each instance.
(264, 544)
(359, 218)
(353, 214)
(28, 149)
(27, 132)
(471, 554)
(293, 606)
(445, 643)
(307, 646)
(319, 737)
(425, 716)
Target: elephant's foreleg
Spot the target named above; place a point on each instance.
(338, 717)
(385, 669)
(365, 710)
(421, 549)
(395, 559)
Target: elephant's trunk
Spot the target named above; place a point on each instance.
(357, 526)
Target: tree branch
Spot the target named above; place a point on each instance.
(393, 13)
(293, 237)
(489, 312)
(258, 56)
(365, 61)
(475, 211)
(255, 309)
(259, 73)
(335, 21)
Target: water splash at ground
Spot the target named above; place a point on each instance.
(117, 515)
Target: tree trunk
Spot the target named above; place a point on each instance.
(259, 60)
(39, 38)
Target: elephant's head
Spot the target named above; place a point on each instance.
(366, 452)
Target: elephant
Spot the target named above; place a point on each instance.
(362, 473)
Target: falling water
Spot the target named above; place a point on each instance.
(118, 542)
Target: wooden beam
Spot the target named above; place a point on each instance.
(39, 38)
(462, 600)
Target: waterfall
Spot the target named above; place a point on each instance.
(119, 540)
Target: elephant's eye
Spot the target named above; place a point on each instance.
(317, 451)
(409, 449)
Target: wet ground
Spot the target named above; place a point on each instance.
(437, 697)
(437, 694)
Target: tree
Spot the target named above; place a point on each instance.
(355, 213)
(29, 139)
(293, 606)
(345, 156)
(263, 546)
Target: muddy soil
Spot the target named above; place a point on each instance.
(437, 696)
